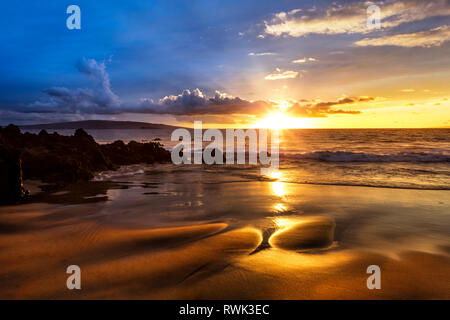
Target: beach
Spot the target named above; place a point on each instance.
(181, 151)
(168, 232)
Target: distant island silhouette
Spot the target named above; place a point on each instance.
(97, 124)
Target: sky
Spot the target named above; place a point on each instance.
(246, 63)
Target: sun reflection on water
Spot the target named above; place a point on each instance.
(276, 174)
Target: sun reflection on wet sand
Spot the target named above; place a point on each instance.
(278, 188)
(278, 185)
(284, 222)
(279, 207)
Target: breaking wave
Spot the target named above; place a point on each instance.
(344, 156)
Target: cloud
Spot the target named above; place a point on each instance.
(322, 109)
(363, 99)
(60, 100)
(196, 103)
(64, 100)
(100, 100)
(429, 38)
(303, 60)
(289, 74)
(93, 69)
(191, 103)
(252, 54)
(352, 18)
(408, 90)
(97, 71)
(186, 104)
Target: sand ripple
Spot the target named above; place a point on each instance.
(303, 233)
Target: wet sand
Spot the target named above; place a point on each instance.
(228, 240)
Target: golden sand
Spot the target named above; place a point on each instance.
(204, 261)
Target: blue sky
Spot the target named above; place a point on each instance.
(147, 50)
(154, 47)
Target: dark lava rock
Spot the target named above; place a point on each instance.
(64, 159)
(11, 181)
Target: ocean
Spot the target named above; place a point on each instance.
(391, 158)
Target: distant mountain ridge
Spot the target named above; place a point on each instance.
(98, 124)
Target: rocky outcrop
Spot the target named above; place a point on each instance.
(134, 152)
(11, 181)
(63, 159)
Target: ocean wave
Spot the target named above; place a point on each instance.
(123, 171)
(344, 156)
(373, 184)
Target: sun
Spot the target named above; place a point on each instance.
(280, 120)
